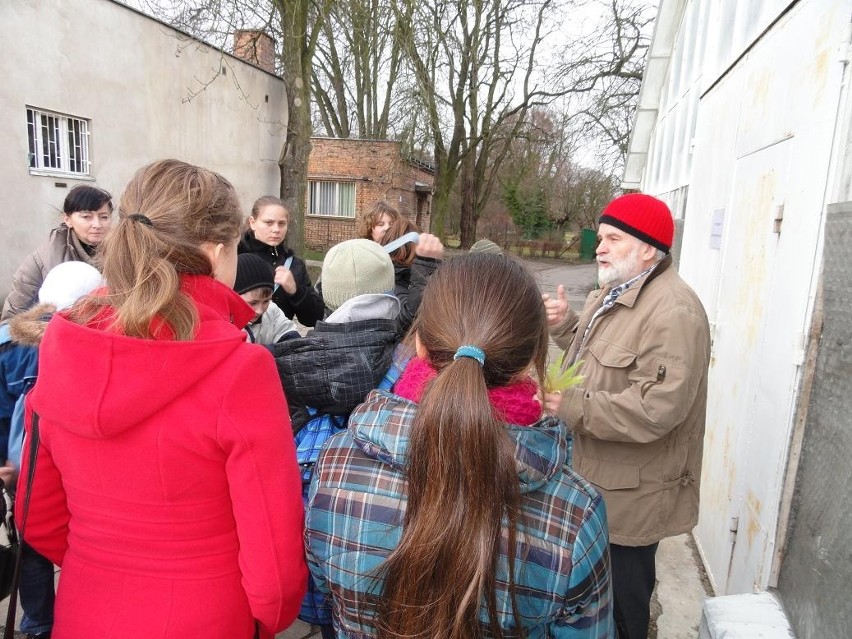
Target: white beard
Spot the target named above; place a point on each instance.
(619, 272)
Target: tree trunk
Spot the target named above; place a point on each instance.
(293, 167)
(467, 221)
(440, 203)
(296, 56)
(445, 177)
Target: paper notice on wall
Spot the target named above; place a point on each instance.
(717, 226)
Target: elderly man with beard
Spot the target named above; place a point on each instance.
(638, 414)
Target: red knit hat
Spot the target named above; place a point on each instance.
(642, 216)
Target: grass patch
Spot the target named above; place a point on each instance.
(313, 254)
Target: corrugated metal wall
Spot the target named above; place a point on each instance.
(814, 580)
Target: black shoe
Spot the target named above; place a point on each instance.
(41, 635)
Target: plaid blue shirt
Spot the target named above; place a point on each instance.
(357, 503)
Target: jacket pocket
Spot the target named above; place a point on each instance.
(607, 474)
(611, 355)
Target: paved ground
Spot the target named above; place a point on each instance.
(676, 606)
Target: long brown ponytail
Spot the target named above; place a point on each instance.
(462, 477)
(168, 210)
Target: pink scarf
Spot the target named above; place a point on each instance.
(514, 404)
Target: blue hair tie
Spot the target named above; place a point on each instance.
(474, 352)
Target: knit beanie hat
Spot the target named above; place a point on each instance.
(65, 283)
(253, 272)
(642, 216)
(355, 267)
(485, 246)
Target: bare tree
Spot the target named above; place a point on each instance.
(296, 26)
(356, 69)
(543, 184)
(604, 68)
(459, 76)
(476, 68)
(300, 23)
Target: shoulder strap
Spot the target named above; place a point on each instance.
(9, 630)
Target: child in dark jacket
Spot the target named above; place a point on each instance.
(333, 367)
(255, 283)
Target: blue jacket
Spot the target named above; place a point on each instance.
(18, 370)
(357, 504)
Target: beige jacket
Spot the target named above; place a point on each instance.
(63, 245)
(638, 417)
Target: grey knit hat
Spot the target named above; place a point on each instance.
(355, 267)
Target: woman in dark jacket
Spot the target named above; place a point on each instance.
(266, 235)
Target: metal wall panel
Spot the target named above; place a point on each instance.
(734, 27)
(814, 578)
(780, 160)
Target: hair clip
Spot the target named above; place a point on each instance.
(138, 217)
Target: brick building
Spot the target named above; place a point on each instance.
(347, 177)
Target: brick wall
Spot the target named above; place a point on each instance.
(378, 171)
(256, 47)
(324, 232)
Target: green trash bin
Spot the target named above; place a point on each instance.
(588, 241)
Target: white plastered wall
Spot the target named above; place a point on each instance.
(150, 93)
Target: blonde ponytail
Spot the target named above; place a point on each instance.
(167, 212)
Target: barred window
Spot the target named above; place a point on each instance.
(57, 142)
(336, 199)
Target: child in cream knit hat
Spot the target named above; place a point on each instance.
(329, 372)
(333, 367)
(353, 268)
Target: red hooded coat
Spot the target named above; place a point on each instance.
(166, 481)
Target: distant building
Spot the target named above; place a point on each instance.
(346, 177)
(93, 90)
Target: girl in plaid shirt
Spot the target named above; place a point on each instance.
(448, 509)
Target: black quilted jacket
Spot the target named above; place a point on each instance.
(334, 367)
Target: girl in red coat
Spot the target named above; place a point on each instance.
(166, 484)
